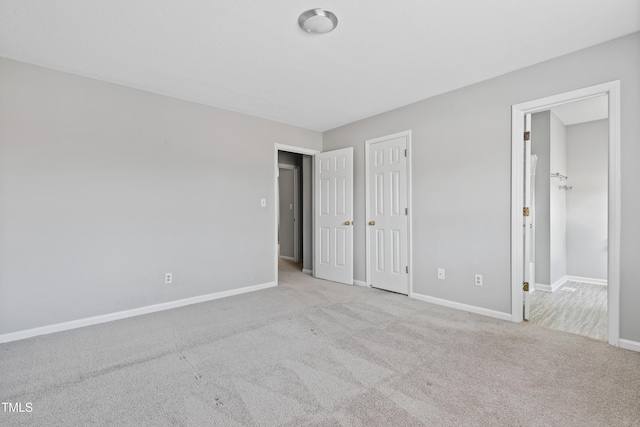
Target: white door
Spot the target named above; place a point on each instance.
(527, 220)
(387, 201)
(333, 208)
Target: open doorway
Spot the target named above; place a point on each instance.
(329, 254)
(568, 208)
(293, 208)
(520, 275)
(294, 213)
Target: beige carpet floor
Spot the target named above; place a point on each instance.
(316, 353)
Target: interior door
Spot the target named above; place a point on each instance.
(387, 214)
(333, 214)
(527, 220)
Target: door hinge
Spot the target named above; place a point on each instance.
(525, 286)
(405, 152)
(406, 211)
(525, 211)
(407, 268)
(527, 136)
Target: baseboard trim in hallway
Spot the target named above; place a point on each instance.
(88, 321)
(629, 345)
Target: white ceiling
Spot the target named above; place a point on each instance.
(251, 56)
(585, 110)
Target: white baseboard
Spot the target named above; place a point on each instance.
(590, 280)
(360, 283)
(558, 283)
(305, 271)
(288, 258)
(629, 345)
(460, 306)
(553, 287)
(542, 288)
(88, 321)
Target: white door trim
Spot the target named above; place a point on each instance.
(296, 207)
(518, 111)
(292, 149)
(367, 145)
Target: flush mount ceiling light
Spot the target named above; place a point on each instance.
(318, 21)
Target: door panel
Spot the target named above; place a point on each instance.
(334, 216)
(379, 250)
(387, 216)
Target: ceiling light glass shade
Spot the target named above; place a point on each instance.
(318, 21)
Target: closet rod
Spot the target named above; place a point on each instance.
(559, 175)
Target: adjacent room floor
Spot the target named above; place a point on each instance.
(316, 353)
(576, 307)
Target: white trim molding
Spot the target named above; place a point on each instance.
(589, 280)
(464, 307)
(360, 283)
(306, 271)
(630, 345)
(553, 287)
(543, 288)
(518, 112)
(95, 320)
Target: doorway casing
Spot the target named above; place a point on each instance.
(518, 112)
(292, 149)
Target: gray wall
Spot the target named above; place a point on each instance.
(558, 201)
(104, 188)
(587, 151)
(462, 174)
(541, 146)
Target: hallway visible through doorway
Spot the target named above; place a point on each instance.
(576, 307)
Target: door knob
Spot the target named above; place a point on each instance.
(372, 223)
(347, 223)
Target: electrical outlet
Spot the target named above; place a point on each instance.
(441, 273)
(478, 280)
(168, 277)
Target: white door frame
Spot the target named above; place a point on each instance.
(292, 149)
(367, 145)
(518, 111)
(296, 207)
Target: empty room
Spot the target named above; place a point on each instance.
(319, 213)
